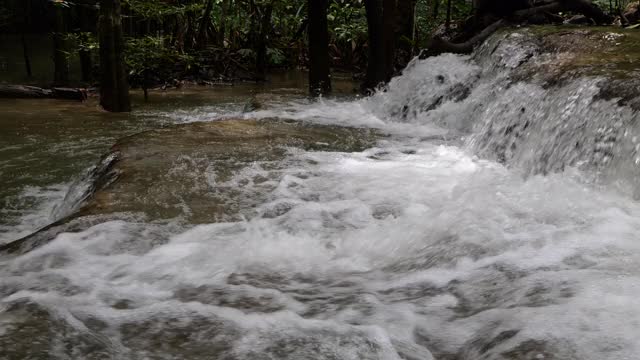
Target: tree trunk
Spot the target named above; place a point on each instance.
(319, 72)
(448, 21)
(84, 54)
(204, 25)
(223, 23)
(179, 33)
(60, 59)
(25, 53)
(375, 64)
(114, 88)
(190, 31)
(26, 22)
(389, 33)
(436, 9)
(406, 30)
(261, 45)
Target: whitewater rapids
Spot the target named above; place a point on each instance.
(418, 248)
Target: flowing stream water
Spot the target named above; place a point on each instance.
(455, 237)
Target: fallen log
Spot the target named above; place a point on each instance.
(34, 92)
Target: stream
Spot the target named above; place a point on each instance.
(461, 234)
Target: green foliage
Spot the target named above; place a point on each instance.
(427, 20)
(83, 41)
(347, 21)
(276, 56)
(167, 38)
(607, 5)
(160, 9)
(150, 56)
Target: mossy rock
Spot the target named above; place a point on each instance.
(568, 52)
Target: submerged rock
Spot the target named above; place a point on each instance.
(195, 173)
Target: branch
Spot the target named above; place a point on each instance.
(440, 46)
(526, 13)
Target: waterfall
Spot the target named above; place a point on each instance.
(493, 219)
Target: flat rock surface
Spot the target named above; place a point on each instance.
(206, 172)
(197, 173)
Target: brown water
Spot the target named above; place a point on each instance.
(46, 144)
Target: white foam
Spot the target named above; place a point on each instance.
(31, 209)
(391, 225)
(411, 249)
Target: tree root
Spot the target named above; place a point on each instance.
(439, 45)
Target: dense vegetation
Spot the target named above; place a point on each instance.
(214, 39)
(209, 41)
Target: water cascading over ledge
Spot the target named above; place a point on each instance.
(539, 99)
(298, 241)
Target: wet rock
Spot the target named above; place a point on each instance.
(195, 173)
(625, 91)
(570, 98)
(579, 20)
(262, 101)
(210, 171)
(563, 54)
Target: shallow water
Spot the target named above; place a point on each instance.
(414, 249)
(46, 144)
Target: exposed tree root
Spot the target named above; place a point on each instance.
(439, 45)
(527, 13)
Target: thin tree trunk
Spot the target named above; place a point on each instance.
(319, 72)
(85, 55)
(25, 52)
(26, 22)
(406, 32)
(448, 21)
(60, 59)
(223, 23)
(261, 46)
(436, 9)
(114, 87)
(390, 31)
(190, 31)
(375, 64)
(204, 25)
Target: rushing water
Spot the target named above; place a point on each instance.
(45, 145)
(417, 248)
